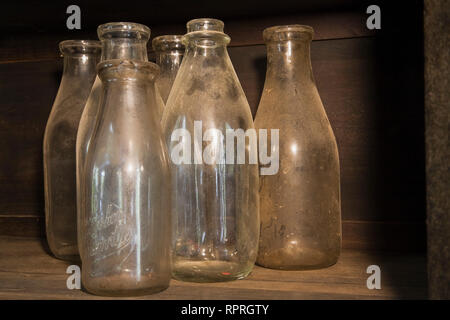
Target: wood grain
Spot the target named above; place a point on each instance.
(27, 92)
(359, 235)
(20, 47)
(28, 272)
(437, 106)
(379, 139)
(371, 83)
(378, 128)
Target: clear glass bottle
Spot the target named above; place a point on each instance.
(300, 205)
(169, 51)
(80, 60)
(120, 40)
(125, 229)
(215, 203)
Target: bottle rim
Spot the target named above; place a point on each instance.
(168, 42)
(123, 30)
(206, 39)
(127, 69)
(204, 24)
(80, 46)
(288, 32)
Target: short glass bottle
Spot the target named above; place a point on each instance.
(215, 201)
(120, 40)
(169, 50)
(80, 60)
(125, 230)
(300, 205)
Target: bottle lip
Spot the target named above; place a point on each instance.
(119, 69)
(123, 30)
(80, 46)
(288, 32)
(206, 39)
(168, 42)
(204, 24)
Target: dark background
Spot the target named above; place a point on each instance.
(370, 81)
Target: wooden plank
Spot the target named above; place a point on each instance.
(360, 235)
(330, 25)
(377, 126)
(22, 225)
(28, 272)
(437, 106)
(27, 92)
(384, 235)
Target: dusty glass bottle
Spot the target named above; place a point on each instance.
(120, 40)
(215, 201)
(124, 232)
(169, 51)
(300, 205)
(80, 60)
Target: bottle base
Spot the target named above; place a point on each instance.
(210, 271)
(123, 286)
(126, 293)
(66, 253)
(299, 267)
(68, 258)
(307, 259)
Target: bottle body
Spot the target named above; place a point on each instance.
(169, 51)
(80, 59)
(300, 205)
(125, 229)
(214, 202)
(120, 40)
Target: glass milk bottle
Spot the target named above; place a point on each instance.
(125, 231)
(169, 51)
(300, 205)
(80, 60)
(214, 200)
(120, 40)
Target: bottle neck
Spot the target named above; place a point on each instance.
(206, 43)
(195, 50)
(169, 60)
(289, 60)
(124, 48)
(80, 65)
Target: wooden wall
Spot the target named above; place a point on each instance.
(371, 83)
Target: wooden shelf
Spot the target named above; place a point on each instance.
(27, 271)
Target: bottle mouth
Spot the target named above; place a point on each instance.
(288, 32)
(206, 39)
(123, 30)
(205, 33)
(80, 47)
(204, 24)
(168, 43)
(118, 69)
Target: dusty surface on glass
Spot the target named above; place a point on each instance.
(120, 40)
(169, 51)
(215, 204)
(300, 205)
(80, 59)
(125, 230)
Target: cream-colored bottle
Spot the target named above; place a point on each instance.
(300, 205)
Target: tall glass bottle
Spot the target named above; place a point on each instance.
(80, 60)
(169, 51)
(120, 40)
(215, 201)
(300, 205)
(125, 229)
